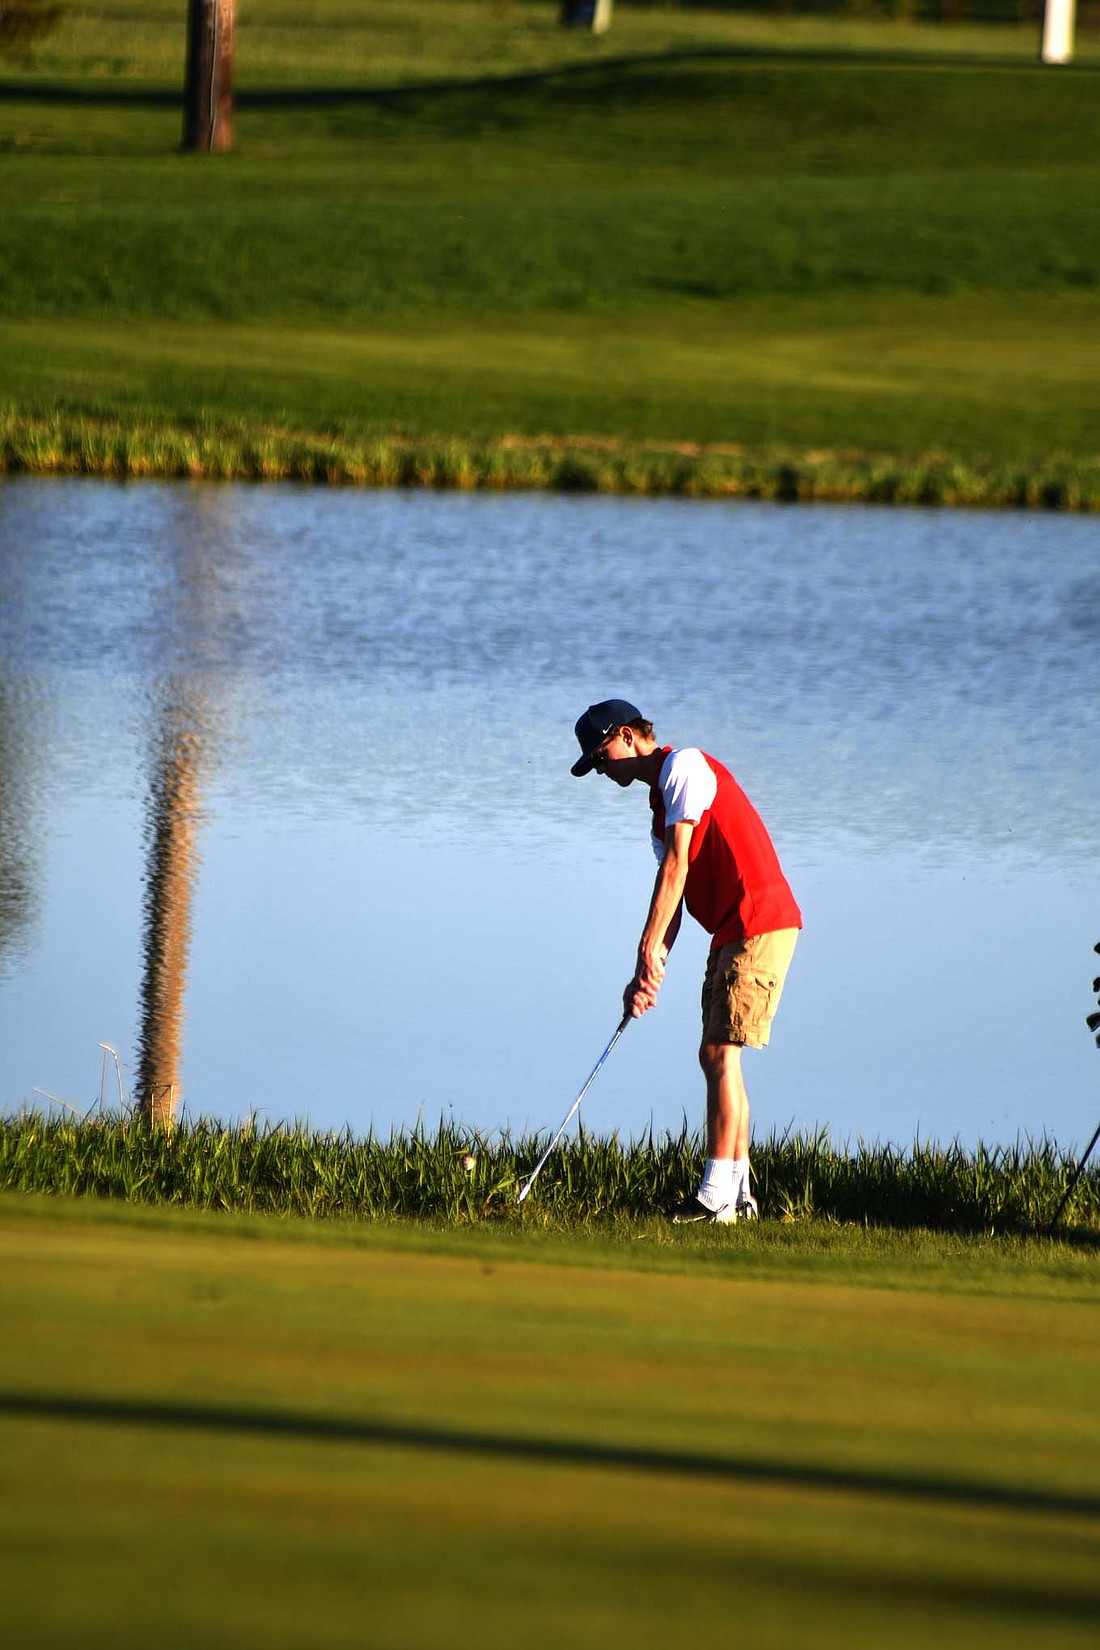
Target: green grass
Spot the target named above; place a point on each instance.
(398, 42)
(784, 252)
(454, 1176)
(233, 1431)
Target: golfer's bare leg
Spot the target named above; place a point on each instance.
(727, 1101)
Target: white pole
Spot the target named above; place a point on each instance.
(1058, 21)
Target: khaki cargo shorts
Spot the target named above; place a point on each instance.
(742, 988)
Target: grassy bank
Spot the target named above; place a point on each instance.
(890, 260)
(232, 1431)
(456, 1177)
(136, 450)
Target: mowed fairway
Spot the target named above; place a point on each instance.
(441, 223)
(235, 1431)
(964, 375)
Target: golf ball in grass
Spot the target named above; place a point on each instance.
(469, 1163)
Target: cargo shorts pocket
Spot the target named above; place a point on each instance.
(752, 998)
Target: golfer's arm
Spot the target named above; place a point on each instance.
(665, 907)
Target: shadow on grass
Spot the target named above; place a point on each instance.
(109, 94)
(548, 1451)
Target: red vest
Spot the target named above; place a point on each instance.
(735, 885)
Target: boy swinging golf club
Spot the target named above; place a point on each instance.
(715, 857)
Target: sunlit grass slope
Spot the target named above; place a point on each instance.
(238, 1432)
(457, 224)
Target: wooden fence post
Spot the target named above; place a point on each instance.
(208, 91)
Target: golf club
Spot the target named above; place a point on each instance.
(1093, 1023)
(1073, 1182)
(567, 1119)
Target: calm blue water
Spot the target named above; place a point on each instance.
(402, 904)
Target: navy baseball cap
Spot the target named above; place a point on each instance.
(594, 726)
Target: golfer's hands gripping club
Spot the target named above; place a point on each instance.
(641, 992)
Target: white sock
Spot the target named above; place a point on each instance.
(717, 1186)
(741, 1179)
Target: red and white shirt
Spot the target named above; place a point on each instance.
(735, 885)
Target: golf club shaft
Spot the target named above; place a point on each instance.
(1073, 1182)
(1091, 1022)
(571, 1113)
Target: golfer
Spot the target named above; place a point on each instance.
(715, 857)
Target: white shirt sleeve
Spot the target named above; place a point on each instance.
(688, 787)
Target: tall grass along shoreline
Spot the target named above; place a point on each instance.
(455, 1176)
(59, 446)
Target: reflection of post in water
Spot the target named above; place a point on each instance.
(169, 879)
(16, 834)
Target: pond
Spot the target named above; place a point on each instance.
(329, 734)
